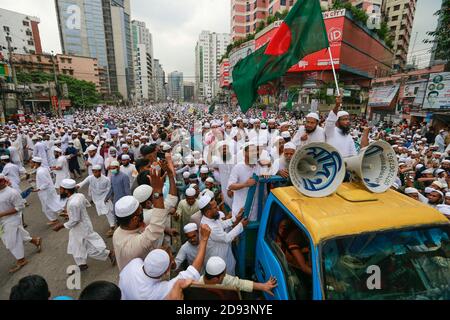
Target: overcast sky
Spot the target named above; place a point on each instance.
(176, 25)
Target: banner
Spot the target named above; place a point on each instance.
(437, 95)
(383, 96)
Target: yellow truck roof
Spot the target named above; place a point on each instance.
(352, 210)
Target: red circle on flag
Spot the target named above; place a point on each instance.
(281, 41)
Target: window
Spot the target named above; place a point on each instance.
(247, 29)
(26, 23)
(394, 18)
(397, 7)
(6, 29)
(28, 33)
(291, 246)
(247, 18)
(31, 43)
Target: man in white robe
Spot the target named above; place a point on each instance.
(219, 243)
(40, 151)
(12, 172)
(13, 234)
(45, 188)
(94, 159)
(99, 187)
(310, 132)
(84, 242)
(189, 249)
(61, 167)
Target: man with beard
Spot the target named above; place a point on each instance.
(84, 242)
(337, 131)
(219, 243)
(310, 132)
(281, 165)
(435, 197)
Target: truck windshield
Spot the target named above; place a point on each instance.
(401, 264)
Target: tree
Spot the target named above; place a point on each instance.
(441, 36)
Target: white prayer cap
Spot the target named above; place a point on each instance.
(125, 146)
(257, 121)
(115, 164)
(290, 146)
(37, 159)
(204, 169)
(68, 184)
(215, 266)
(439, 171)
(156, 263)
(411, 190)
(428, 190)
(190, 192)
(190, 227)
(4, 157)
(204, 201)
(58, 142)
(438, 191)
(428, 171)
(419, 166)
(126, 157)
(395, 146)
(272, 121)
(166, 147)
(126, 206)
(210, 180)
(342, 114)
(186, 174)
(97, 167)
(143, 193)
(313, 115)
(207, 192)
(263, 126)
(444, 209)
(447, 194)
(285, 134)
(193, 186)
(57, 150)
(207, 125)
(91, 148)
(446, 161)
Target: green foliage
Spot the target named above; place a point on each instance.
(441, 36)
(81, 93)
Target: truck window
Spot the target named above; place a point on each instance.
(291, 246)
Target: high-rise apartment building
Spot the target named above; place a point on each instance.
(100, 29)
(175, 86)
(160, 81)
(21, 30)
(399, 15)
(247, 14)
(143, 61)
(209, 50)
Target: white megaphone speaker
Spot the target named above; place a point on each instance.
(376, 166)
(317, 170)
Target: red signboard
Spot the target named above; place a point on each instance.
(55, 102)
(319, 60)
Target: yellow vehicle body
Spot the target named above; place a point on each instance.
(352, 210)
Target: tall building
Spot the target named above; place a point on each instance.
(100, 29)
(209, 50)
(434, 60)
(189, 91)
(143, 61)
(22, 31)
(399, 15)
(247, 14)
(175, 86)
(160, 82)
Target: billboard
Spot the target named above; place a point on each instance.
(437, 95)
(318, 61)
(415, 90)
(383, 96)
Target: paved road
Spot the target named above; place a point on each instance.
(53, 261)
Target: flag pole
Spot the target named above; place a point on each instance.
(334, 71)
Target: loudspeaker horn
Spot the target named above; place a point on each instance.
(376, 166)
(317, 170)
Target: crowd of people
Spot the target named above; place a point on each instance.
(171, 182)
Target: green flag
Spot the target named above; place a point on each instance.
(290, 101)
(212, 108)
(302, 32)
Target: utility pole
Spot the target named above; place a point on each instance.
(58, 104)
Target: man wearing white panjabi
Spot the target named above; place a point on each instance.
(61, 167)
(143, 279)
(223, 163)
(12, 172)
(84, 242)
(13, 234)
(99, 187)
(310, 132)
(94, 159)
(50, 201)
(219, 243)
(40, 151)
(189, 249)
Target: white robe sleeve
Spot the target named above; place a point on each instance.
(330, 125)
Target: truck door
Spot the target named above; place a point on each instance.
(283, 251)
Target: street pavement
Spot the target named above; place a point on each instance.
(53, 261)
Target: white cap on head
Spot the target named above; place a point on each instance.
(68, 184)
(215, 266)
(91, 148)
(313, 115)
(186, 174)
(190, 192)
(4, 157)
(204, 170)
(207, 192)
(447, 194)
(166, 147)
(290, 146)
(190, 227)
(342, 114)
(204, 201)
(156, 263)
(428, 190)
(285, 134)
(115, 164)
(411, 191)
(143, 193)
(126, 206)
(444, 209)
(37, 159)
(210, 180)
(57, 150)
(126, 157)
